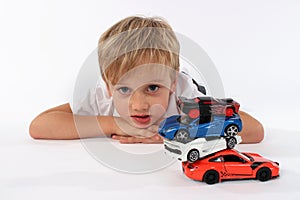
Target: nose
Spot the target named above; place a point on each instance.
(138, 102)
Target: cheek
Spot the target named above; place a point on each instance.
(159, 106)
(157, 110)
(121, 106)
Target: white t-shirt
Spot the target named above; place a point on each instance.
(98, 102)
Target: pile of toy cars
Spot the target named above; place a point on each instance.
(203, 138)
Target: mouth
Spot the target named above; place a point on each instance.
(141, 119)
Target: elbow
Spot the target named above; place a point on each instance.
(253, 135)
(52, 126)
(39, 128)
(42, 127)
(260, 133)
(35, 130)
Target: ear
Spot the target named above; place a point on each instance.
(173, 86)
(174, 83)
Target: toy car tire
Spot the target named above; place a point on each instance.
(182, 136)
(193, 155)
(231, 130)
(211, 177)
(231, 142)
(263, 174)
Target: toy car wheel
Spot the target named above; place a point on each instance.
(231, 142)
(182, 136)
(263, 174)
(231, 130)
(211, 177)
(193, 155)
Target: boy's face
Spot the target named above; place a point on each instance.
(141, 96)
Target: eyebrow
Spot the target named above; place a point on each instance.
(149, 82)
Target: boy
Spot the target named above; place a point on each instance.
(139, 83)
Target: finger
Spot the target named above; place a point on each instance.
(156, 139)
(116, 137)
(145, 134)
(152, 141)
(130, 140)
(148, 141)
(120, 137)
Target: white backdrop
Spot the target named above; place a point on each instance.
(255, 46)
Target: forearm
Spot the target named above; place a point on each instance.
(65, 125)
(253, 131)
(53, 125)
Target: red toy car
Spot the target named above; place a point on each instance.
(231, 164)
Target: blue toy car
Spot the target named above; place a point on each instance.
(184, 128)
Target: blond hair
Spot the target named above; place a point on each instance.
(135, 40)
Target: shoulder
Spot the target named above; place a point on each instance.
(96, 102)
(187, 86)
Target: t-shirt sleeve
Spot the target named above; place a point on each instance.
(87, 106)
(185, 87)
(97, 102)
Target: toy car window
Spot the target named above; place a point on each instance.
(217, 159)
(247, 157)
(185, 120)
(205, 119)
(197, 121)
(233, 158)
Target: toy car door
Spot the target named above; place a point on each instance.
(236, 165)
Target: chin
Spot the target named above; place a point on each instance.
(137, 125)
(141, 125)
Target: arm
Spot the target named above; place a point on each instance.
(60, 123)
(253, 131)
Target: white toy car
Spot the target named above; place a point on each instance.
(199, 148)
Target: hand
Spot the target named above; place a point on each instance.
(128, 134)
(155, 139)
(123, 128)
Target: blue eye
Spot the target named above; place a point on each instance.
(124, 90)
(153, 88)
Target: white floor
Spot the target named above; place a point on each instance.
(44, 169)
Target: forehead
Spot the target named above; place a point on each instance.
(148, 73)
